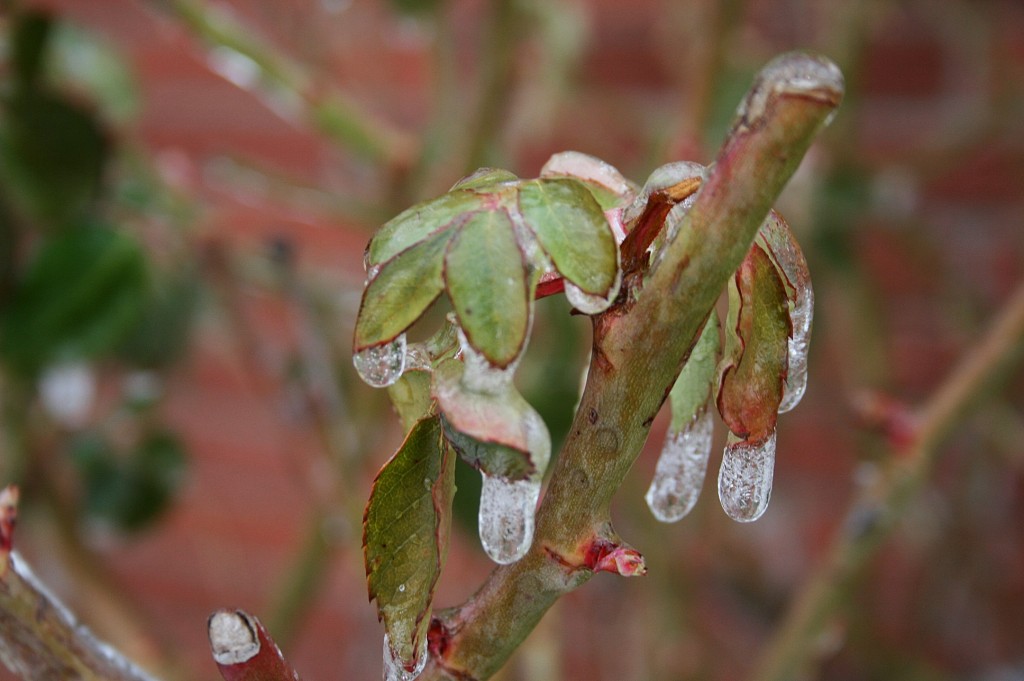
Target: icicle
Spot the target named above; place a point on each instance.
(381, 365)
(394, 669)
(679, 475)
(588, 303)
(507, 511)
(508, 507)
(745, 479)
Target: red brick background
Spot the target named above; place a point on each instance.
(907, 273)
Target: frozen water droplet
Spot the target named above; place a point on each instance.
(745, 479)
(417, 357)
(507, 511)
(679, 475)
(395, 669)
(401, 588)
(588, 303)
(801, 314)
(381, 365)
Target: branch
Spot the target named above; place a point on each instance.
(329, 110)
(639, 347)
(244, 651)
(874, 515)
(39, 637)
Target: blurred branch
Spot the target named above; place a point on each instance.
(333, 114)
(39, 637)
(877, 512)
(498, 78)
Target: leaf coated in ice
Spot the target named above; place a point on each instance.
(415, 224)
(490, 431)
(573, 230)
(400, 293)
(487, 282)
(405, 536)
(694, 385)
(756, 350)
(603, 180)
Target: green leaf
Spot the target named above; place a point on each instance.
(756, 353)
(129, 490)
(405, 534)
(485, 178)
(488, 286)
(410, 396)
(160, 336)
(487, 430)
(52, 154)
(401, 292)
(414, 225)
(572, 229)
(693, 388)
(82, 293)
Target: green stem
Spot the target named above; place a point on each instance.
(639, 347)
(337, 117)
(498, 74)
(874, 515)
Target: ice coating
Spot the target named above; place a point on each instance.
(663, 177)
(794, 73)
(587, 167)
(745, 478)
(800, 313)
(507, 513)
(534, 253)
(381, 365)
(682, 465)
(480, 375)
(788, 257)
(588, 303)
(394, 669)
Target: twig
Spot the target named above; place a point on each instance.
(639, 347)
(874, 515)
(335, 116)
(244, 651)
(39, 637)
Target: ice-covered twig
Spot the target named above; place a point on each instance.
(244, 651)
(873, 515)
(39, 637)
(639, 346)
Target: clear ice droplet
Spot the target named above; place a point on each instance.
(507, 512)
(682, 465)
(745, 479)
(588, 303)
(381, 365)
(394, 669)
